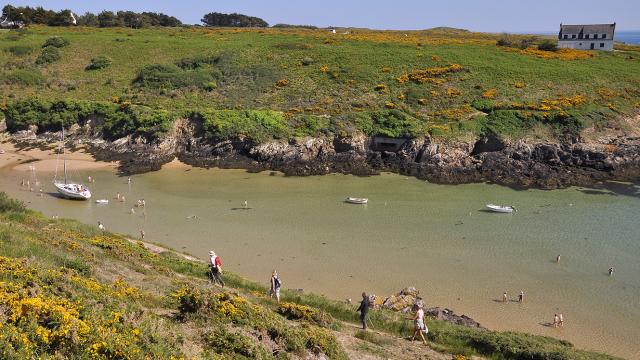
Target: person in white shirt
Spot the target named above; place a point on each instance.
(216, 268)
(420, 327)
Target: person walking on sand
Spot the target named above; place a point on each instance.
(558, 259)
(364, 310)
(560, 320)
(275, 286)
(419, 326)
(216, 268)
(556, 320)
(611, 271)
(521, 296)
(504, 297)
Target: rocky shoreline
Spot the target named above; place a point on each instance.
(521, 163)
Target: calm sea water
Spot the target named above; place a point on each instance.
(434, 237)
(629, 37)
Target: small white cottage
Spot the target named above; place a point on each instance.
(587, 37)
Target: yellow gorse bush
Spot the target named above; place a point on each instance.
(432, 75)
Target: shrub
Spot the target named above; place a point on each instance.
(98, 63)
(294, 311)
(189, 301)
(548, 45)
(391, 123)
(237, 346)
(49, 55)
(307, 61)
(8, 204)
(159, 76)
(118, 120)
(20, 50)
(23, 77)
(255, 125)
(56, 41)
(195, 62)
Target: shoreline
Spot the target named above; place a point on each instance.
(519, 164)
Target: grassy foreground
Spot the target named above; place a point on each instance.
(67, 290)
(282, 83)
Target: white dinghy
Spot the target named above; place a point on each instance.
(354, 200)
(68, 189)
(501, 209)
(102, 201)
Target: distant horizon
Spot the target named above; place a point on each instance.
(490, 16)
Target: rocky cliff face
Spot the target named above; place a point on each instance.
(519, 163)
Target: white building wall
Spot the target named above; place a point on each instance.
(585, 44)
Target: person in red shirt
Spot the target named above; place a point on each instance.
(216, 268)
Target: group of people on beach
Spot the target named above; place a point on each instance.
(420, 329)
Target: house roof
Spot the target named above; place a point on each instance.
(608, 29)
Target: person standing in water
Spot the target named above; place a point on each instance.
(141, 234)
(216, 268)
(560, 320)
(419, 326)
(611, 271)
(100, 226)
(504, 297)
(558, 259)
(364, 310)
(556, 320)
(521, 296)
(275, 286)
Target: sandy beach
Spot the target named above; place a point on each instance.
(46, 159)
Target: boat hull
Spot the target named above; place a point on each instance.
(357, 201)
(500, 209)
(70, 191)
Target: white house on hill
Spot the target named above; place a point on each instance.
(587, 37)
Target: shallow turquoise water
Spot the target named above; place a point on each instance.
(430, 236)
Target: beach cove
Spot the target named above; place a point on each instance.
(434, 237)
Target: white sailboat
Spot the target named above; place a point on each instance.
(66, 188)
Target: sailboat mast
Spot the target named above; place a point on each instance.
(64, 160)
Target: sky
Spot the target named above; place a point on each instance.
(516, 16)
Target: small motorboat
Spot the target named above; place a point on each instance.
(354, 200)
(102, 201)
(501, 209)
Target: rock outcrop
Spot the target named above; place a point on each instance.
(540, 164)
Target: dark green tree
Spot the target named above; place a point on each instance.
(232, 20)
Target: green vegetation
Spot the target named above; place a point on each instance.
(54, 272)
(25, 77)
(56, 41)
(548, 45)
(49, 54)
(425, 83)
(255, 125)
(20, 50)
(113, 120)
(98, 63)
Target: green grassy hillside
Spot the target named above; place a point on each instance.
(69, 290)
(380, 82)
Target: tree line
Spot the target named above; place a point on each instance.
(38, 15)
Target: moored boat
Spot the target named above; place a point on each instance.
(354, 200)
(500, 209)
(102, 201)
(68, 189)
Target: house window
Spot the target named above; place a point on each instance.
(566, 36)
(586, 36)
(604, 36)
(573, 36)
(595, 36)
(601, 45)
